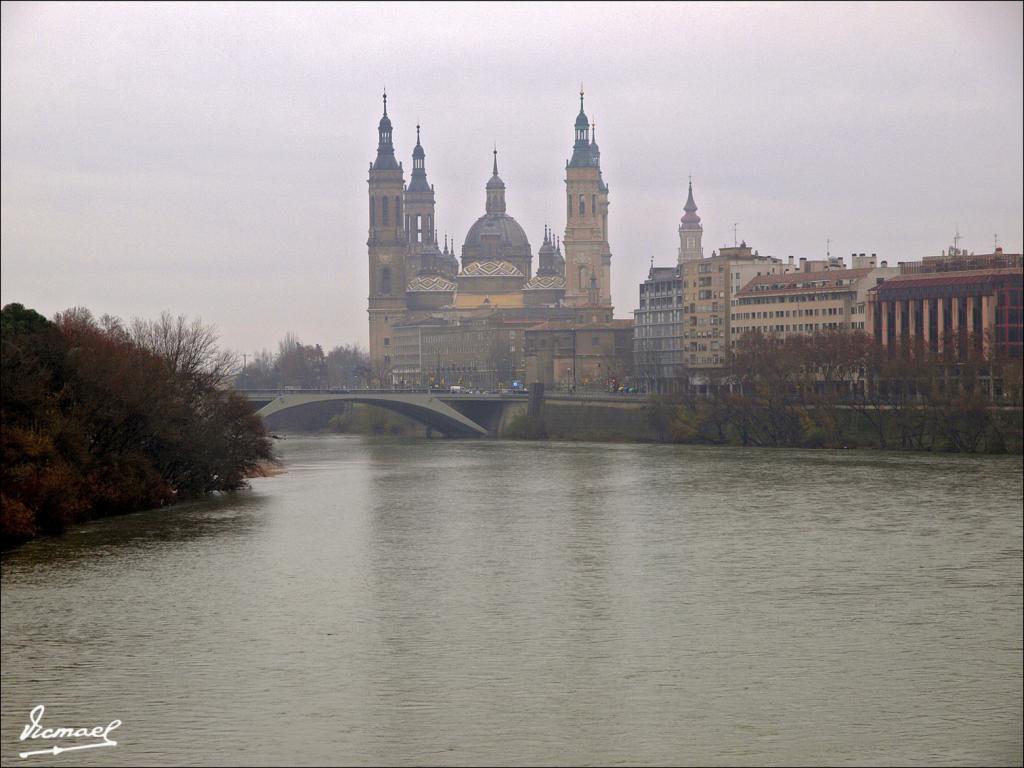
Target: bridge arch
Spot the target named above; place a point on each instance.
(420, 407)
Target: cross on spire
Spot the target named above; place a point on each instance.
(385, 101)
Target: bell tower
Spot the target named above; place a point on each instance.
(387, 246)
(419, 213)
(588, 256)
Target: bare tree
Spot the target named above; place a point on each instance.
(188, 348)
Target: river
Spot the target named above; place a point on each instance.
(487, 602)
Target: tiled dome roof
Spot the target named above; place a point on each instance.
(545, 283)
(430, 283)
(490, 269)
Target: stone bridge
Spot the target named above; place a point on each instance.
(450, 413)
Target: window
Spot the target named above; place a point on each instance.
(387, 341)
(593, 204)
(373, 212)
(398, 210)
(583, 207)
(385, 276)
(384, 211)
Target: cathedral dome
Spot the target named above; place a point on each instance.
(496, 236)
(496, 229)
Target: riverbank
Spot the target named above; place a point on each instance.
(961, 427)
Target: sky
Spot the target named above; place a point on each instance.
(211, 159)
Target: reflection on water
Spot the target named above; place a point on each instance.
(445, 602)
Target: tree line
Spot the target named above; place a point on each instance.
(306, 366)
(842, 389)
(101, 417)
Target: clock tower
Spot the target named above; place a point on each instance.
(387, 245)
(588, 257)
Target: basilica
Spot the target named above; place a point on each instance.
(422, 293)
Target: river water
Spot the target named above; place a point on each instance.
(466, 602)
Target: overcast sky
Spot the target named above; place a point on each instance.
(212, 159)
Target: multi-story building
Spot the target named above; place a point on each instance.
(822, 296)
(946, 303)
(708, 286)
(565, 355)
(413, 280)
(658, 331)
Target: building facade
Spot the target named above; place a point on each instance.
(658, 331)
(945, 304)
(816, 299)
(571, 356)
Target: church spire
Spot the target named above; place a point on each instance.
(495, 189)
(690, 217)
(690, 231)
(385, 149)
(581, 150)
(582, 126)
(418, 182)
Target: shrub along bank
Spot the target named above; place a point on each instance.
(102, 418)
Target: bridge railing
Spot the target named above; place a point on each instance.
(549, 395)
(557, 395)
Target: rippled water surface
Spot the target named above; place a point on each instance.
(473, 602)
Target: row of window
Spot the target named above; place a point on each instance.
(793, 327)
(788, 313)
(794, 299)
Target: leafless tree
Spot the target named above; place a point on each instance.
(188, 348)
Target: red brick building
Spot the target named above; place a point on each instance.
(952, 297)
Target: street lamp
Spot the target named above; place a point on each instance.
(574, 361)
